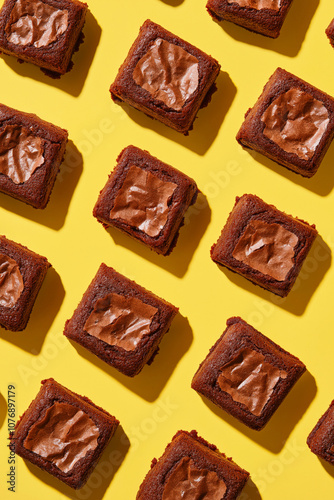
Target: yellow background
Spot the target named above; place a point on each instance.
(159, 401)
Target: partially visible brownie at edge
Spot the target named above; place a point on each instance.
(247, 374)
(22, 273)
(146, 199)
(31, 152)
(190, 467)
(321, 438)
(119, 321)
(263, 244)
(330, 33)
(165, 77)
(265, 17)
(63, 433)
(292, 123)
(42, 32)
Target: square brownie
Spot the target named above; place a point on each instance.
(165, 77)
(330, 33)
(264, 245)
(44, 33)
(247, 374)
(21, 276)
(31, 151)
(192, 468)
(261, 16)
(120, 322)
(321, 439)
(146, 199)
(292, 123)
(63, 433)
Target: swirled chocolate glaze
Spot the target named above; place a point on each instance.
(11, 281)
(168, 73)
(259, 4)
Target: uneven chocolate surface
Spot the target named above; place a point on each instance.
(11, 281)
(259, 4)
(187, 482)
(168, 73)
(21, 153)
(35, 23)
(121, 321)
(296, 122)
(63, 436)
(143, 200)
(249, 379)
(268, 248)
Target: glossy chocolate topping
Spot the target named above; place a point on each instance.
(121, 321)
(249, 379)
(168, 73)
(142, 201)
(296, 122)
(11, 281)
(259, 4)
(35, 23)
(20, 153)
(331, 449)
(268, 248)
(63, 436)
(187, 482)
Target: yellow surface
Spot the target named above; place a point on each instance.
(158, 402)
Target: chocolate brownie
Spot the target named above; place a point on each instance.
(247, 374)
(44, 33)
(266, 246)
(292, 123)
(192, 468)
(261, 16)
(330, 33)
(321, 439)
(165, 77)
(63, 433)
(146, 199)
(21, 276)
(119, 321)
(31, 151)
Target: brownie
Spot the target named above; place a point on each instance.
(330, 33)
(191, 468)
(261, 16)
(292, 123)
(63, 433)
(263, 244)
(31, 151)
(21, 276)
(146, 199)
(321, 439)
(44, 33)
(247, 374)
(165, 77)
(119, 321)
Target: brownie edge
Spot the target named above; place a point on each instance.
(321, 438)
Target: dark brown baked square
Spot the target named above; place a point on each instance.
(31, 151)
(21, 276)
(165, 77)
(146, 199)
(321, 439)
(119, 321)
(266, 246)
(330, 33)
(261, 16)
(43, 32)
(63, 433)
(192, 468)
(246, 374)
(292, 123)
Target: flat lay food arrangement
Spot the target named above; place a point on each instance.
(166, 281)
